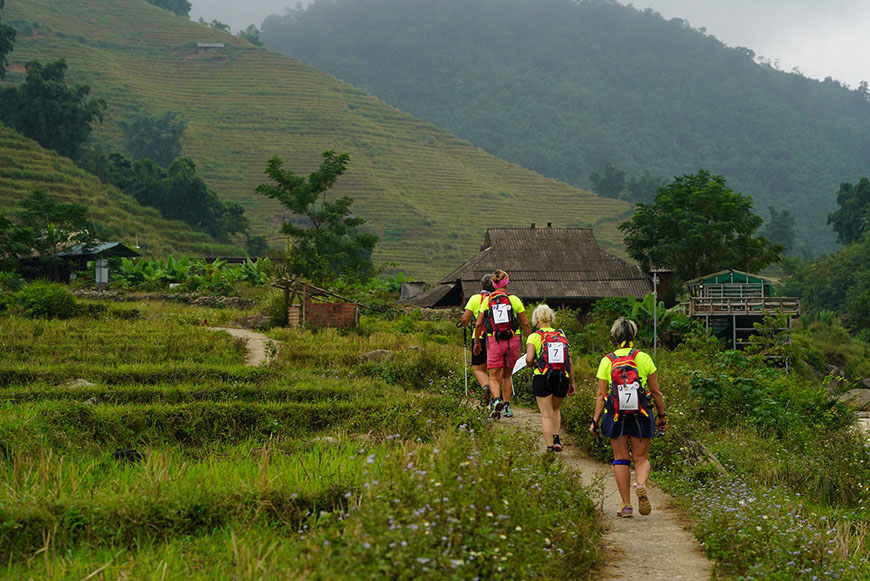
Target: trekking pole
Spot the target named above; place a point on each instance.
(464, 354)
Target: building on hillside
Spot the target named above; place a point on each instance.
(77, 257)
(731, 301)
(564, 266)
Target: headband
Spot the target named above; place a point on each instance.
(500, 284)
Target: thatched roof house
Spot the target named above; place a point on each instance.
(564, 266)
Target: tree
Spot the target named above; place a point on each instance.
(7, 38)
(155, 137)
(327, 243)
(780, 228)
(45, 109)
(610, 184)
(850, 220)
(180, 7)
(697, 225)
(252, 35)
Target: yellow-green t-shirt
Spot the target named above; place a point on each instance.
(516, 305)
(645, 365)
(473, 305)
(537, 340)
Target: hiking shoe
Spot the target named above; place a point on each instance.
(643, 505)
(625, 511)
(508, 412)
(557, 443)
(497, 406)
(550, 449)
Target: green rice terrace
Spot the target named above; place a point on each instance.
(136, 443)
(25, 167)
(429, 196)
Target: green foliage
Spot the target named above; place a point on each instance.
(180, 7)
(565, 87)
(697, 225)
(7, 39)
(46, 300)
(191, 275)
(44, 108)
(156, 137)
(329, 244)
(252, 35)
(850, 220)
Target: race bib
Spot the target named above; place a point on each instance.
(556, 352)
(500, 314)
(628, 396)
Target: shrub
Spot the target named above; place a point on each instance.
(46, 300)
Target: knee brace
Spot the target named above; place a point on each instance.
(622, 462)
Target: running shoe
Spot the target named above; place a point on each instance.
(497, 406)
(508, 412)
(643, 505)
(557, 443)
(625, 511)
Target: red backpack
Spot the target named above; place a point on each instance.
(554, 357)
(627, 393)
(500, 319)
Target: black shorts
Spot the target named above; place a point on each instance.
(555, 384)
(479, 359)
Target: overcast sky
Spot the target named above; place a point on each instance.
(820, 37)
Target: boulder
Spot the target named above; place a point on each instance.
(858, 399)
(378, 355)
(76, 383)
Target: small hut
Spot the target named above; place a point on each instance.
(77, 257)
(564, 266)
(730, 302)
(307, 304)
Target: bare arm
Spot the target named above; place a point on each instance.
(466, 318)
(652, 383)
(600, 397)
(530, 354)
(478, 333)
(524, 323)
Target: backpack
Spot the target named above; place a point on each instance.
(554, 353)
(500, 319)
(627, 394)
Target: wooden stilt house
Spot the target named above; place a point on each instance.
(730, 302)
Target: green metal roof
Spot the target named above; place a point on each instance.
(731, 276)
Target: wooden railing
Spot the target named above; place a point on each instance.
(759, 306)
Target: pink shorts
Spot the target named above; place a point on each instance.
(502, 353)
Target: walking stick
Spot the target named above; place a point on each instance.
(464, 353)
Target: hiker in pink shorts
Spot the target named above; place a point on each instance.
(501, 316)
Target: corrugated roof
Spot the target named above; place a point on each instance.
(551, 263)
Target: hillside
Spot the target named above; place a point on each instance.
(565, 87)
(25, 167)
(428, 195)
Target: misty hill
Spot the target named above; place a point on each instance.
(564, 87)
(429, 195)
(25, 167)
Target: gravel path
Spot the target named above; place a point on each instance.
(256, 343)
(649, 548)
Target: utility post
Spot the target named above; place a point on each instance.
(655, 279)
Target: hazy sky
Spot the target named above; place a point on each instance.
(820, 37)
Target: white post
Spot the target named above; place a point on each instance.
(655, 313)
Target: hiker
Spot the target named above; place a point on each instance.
(472, 310)
(553, 378)
(627, 389)
(501, 316)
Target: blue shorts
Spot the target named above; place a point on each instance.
(634, 425)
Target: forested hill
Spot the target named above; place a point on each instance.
(428, 195)
(564, 87)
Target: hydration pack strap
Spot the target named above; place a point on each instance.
(622, 462)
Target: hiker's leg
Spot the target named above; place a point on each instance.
(507, 384)
(494, 364)
(513, 353)
(481, 374)
(640, 453)
(545, 404)
(622, 472)
(556, 424)
(495, 374)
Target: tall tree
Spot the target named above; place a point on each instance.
(609, 185)
(252, 35)
(156, 137)
(850, 220)
(45, 109)
(780, 228)
(328, 242)
(180, 7)
(7, 38)
(697, 225)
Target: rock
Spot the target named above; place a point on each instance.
(256, 322)
(91, 401)
(327, 440)
(414, 347)
(378, 355)
(858, 399)
(76, 383)
(835, 371)
(866, 382)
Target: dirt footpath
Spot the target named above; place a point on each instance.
(648, 548)
(256, 343)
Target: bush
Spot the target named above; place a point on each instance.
(46, 300)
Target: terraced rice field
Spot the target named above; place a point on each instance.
(428, 195)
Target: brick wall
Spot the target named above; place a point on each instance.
(332, 314)
(294, 316)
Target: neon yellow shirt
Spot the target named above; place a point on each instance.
(537, 340)
(473, 305)
(516, 305)
(645, 365)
